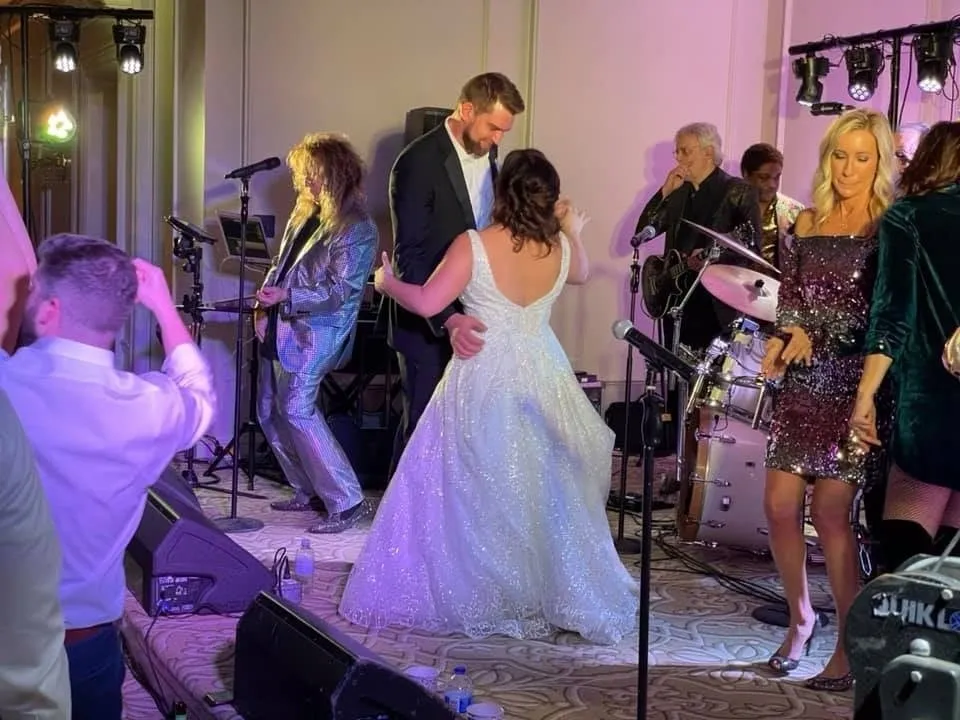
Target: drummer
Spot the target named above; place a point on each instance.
(761, 165)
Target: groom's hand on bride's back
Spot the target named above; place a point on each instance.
(464, 332)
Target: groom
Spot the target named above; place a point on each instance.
(440, 187)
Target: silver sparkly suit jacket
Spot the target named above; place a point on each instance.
(316, 326)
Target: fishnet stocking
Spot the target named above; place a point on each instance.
(930, 506)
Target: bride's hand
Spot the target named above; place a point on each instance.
(384, 273)
(572, 220)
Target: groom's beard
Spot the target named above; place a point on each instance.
(471, 145)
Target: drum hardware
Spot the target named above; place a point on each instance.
(758, 413)
(694, 478)
(699, 435)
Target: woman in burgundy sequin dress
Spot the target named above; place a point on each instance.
(827, 278)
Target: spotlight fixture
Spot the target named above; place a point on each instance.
(129, 40)
(935, 59)
(863, 67)
(55, 124)
(810, 69)
(64, 35)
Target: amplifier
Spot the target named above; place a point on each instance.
(593, 389)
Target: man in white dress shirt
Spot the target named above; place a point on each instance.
(34, 680)
(441, 186)
(101, 436)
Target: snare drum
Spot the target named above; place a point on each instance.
(721, 496)
(736, 389)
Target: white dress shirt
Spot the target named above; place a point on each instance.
(34, 677)
(102, 437)
(479, 179)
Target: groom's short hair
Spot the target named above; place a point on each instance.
(488, 89)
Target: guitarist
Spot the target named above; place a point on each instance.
(697, 189)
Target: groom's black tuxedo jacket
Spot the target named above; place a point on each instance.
(429, 206)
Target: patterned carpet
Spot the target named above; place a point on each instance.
(707, 653)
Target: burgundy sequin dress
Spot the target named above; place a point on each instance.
(826, 285)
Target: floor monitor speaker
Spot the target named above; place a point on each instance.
(291, 664)
(180, 562)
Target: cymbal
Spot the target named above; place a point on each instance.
(731, 244)
(748, 291)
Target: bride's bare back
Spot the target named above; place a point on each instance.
(521, 277)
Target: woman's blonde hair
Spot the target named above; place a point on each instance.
(824, 196)
(333, 158)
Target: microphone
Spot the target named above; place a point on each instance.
(247, 170)
(190, 230)
(654, 353)
(646, 235)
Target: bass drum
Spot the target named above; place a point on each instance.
(721, 496)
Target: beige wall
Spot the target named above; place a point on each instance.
(607, 83)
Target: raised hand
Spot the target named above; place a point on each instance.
(572, 219)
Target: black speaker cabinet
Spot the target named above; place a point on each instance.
(292, 665)
(422, 120)
(179, 562)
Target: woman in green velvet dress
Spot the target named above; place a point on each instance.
(915, 309)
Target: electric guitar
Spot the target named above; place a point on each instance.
(665, 280)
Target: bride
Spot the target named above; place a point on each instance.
(495, 520)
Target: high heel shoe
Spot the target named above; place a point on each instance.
(830, 684)
(784, 664)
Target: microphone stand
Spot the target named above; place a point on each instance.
(650, 431)
(628, 545)
(232, 523)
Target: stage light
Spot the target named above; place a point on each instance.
(55, 125)
(129, 40)
(863, 67)
(64, 35)
(809, 70)
(934, 54)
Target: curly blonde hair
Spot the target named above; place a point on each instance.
(824, 196)
(333, 158)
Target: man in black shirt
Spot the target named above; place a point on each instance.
(697, 189)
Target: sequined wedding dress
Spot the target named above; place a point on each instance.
(494, 522)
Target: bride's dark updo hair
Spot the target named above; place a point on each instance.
(528, 187)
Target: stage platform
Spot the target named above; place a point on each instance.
(707, 653)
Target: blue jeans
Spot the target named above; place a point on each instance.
(96, 675)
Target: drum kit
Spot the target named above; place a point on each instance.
(727, 407)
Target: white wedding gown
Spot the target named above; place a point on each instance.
(495, 520)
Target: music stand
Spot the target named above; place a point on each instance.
(257, 252)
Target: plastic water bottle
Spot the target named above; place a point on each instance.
(303, 563)
(458, 694)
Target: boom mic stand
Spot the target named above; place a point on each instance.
(232, 523)
(628, 545)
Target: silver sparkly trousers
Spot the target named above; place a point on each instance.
(309, 455)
